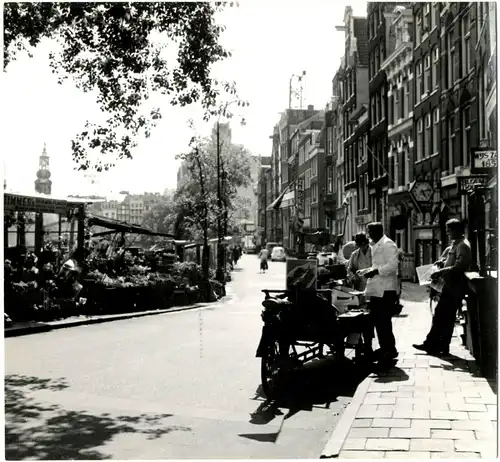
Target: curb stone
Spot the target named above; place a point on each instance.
(38, 328)
(336, 441)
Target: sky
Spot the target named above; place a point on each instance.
(270, 41)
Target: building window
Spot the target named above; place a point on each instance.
(366, 191)
(314, 192)
(466, 134)
(434, 84)
(466, 59)
(365, 149)
(377, 60)
(451, 142)
(427, 74)
(435, 133)
(420, 139)
(427, 136)
(330, 179)
(435, 15)
(427, 18)
(406, 99)
(396, 105)
(450, 58)
(418, 28)
(379, 107)
(418, 84)
(382, 103)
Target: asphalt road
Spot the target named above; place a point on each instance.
(178, 385)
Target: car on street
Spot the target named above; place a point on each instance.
(278, 254)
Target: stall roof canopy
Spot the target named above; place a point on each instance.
(123, 226)
(37, 202)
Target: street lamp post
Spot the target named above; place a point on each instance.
(290, 89)
(220, 266)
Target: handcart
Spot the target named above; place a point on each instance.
(302, 325)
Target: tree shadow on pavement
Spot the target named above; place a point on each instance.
(35, 430)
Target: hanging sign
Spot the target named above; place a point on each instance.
(483, 160)
(300, 194)
(466, 184)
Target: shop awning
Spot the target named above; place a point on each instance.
(124, 227)
(288, 200)
(401, 197)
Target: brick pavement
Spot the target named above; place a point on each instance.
(426, 407)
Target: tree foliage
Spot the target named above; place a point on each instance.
(117, 50)
(199, 206)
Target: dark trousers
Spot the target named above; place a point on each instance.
(443, 321)
(380, 320)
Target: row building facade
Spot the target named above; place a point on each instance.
(415, 92)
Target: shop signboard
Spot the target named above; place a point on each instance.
(301, 273)
(467, 183)
(20, 203)
(300, 193)
(483, 160)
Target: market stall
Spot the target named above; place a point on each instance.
(41, 233)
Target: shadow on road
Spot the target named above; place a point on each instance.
(317, 384)
(35, 430)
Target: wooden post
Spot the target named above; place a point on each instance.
(81, 227)
(38, 233)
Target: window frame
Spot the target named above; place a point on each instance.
(466, 127)
(420, 139)
(451, 142)
(435, 131)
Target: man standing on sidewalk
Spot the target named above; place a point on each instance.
(382, 288)
(458, 259)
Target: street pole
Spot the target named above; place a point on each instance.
(220, 271)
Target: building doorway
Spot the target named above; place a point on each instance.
(426, 250)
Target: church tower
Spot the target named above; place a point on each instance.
(43, 184)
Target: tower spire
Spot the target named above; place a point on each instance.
(43, 184)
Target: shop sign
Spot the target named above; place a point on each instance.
(483, 160)
(21, 203)
(467, 183)
(300, 194)
(424, 234)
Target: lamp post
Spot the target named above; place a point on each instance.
(300, 76)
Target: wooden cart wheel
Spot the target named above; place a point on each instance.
(275, 365)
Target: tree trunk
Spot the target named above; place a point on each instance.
(206, 289)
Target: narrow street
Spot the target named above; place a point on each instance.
(178, 385)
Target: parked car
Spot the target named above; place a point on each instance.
(250, 249)
(271, 245)
(278, 254)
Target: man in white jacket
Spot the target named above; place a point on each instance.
(382, 288)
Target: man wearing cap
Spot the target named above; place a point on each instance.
(360, 259)
(456, 260)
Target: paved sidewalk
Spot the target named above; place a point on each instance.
(424, 408)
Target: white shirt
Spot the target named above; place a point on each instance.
(385, 259)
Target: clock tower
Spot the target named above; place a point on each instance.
(43, 184)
